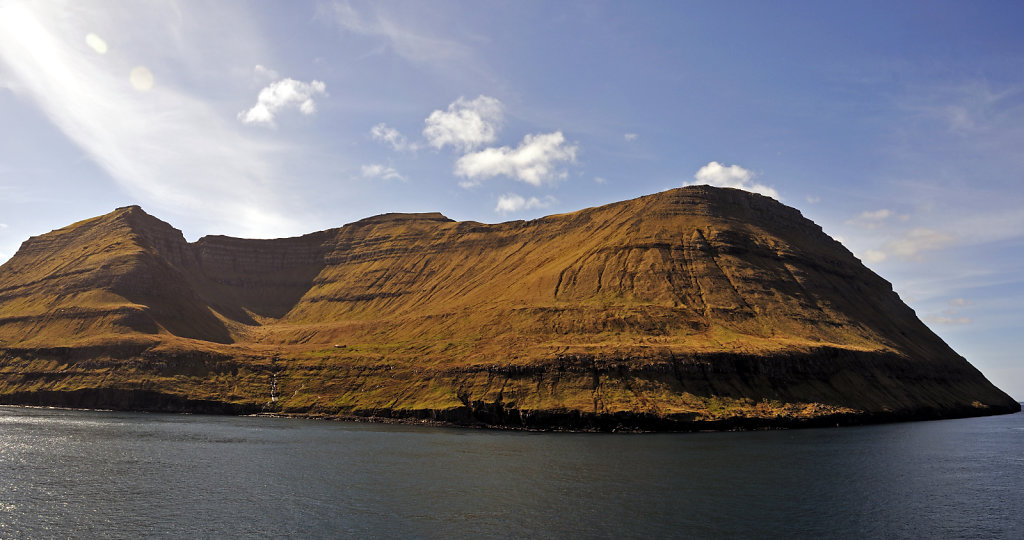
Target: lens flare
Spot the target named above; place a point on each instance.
(96, 43)
(141, 78)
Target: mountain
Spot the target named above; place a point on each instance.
(694, 308)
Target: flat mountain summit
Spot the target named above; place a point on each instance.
(694, 308)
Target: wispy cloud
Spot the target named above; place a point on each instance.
(535, 161)
(631, 137)
(511, 202)
(956, 130)
(909, 245)
(391, 136)
(952, 314)
(875, 215)
(991, 225)
(732, 176)
(887, 238)
(264, 73)
(916, 241)
(874, 219)
(164, 145)
(874, 255)
(968, 107)
(280, 95)
(942, 319)
(407, 42)
(382, 172)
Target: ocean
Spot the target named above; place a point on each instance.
(125, 475)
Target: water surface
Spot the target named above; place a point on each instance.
(111, 474)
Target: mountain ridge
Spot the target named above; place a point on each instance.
(693, 307)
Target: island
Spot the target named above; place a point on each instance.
(696, 308)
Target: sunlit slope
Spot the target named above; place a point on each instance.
(104, 281)
(732, 272)
(689, 306)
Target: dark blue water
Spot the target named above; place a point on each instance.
(87, 474)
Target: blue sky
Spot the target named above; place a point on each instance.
(897, 127)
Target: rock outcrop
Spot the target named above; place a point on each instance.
(695, 308)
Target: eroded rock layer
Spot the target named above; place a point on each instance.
(688, 309)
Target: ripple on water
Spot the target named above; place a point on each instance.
(104, 473)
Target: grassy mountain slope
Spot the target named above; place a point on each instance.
(695, 307)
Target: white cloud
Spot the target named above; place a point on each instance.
(917, 241)
(382, 172)
(383, 133)
(600, 180)
(534, 161)
(466, 124)
(733, 176)
(3, 226)
(811, 199)
(960, 302)
(167, 147)
(630, 136)
(510, 202)
(282, 94)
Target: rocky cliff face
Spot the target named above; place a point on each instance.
(692, 308)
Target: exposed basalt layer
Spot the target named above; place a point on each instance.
(689, 309)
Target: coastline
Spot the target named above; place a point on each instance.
(563, 422)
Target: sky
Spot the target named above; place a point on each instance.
(896, 126)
